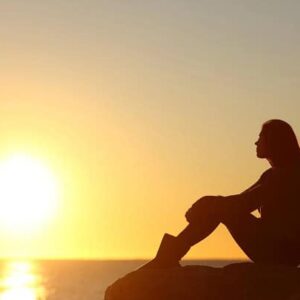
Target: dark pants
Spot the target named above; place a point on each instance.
(258, 243)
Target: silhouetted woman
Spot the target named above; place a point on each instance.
(274, 238)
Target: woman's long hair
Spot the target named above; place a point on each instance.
(281, 141)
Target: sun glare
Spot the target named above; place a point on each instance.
(28, 193)
(20, 281)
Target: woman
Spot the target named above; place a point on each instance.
(274, 238)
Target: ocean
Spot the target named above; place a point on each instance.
(68, 279)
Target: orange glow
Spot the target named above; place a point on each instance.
(129, 111)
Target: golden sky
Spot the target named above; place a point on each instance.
(139, 108)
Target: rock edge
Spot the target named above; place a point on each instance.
(243, 281)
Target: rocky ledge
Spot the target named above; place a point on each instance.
(242, 281)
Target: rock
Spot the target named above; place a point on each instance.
(241, 281)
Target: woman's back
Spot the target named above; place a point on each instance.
(280, 211)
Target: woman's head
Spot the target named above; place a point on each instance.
(277, 142)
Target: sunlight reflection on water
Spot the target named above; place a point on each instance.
(21, 282)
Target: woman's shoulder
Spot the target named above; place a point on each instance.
(267, 174)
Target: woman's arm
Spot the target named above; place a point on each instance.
(245, 202)
(252, 198)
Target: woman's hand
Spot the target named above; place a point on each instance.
(204, 207)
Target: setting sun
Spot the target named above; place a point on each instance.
(28, 193)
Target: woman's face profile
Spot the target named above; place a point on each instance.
(261, 146)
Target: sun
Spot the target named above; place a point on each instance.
(28, 193)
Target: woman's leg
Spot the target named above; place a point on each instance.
(172, 249)
(197, 231)
(258, 243)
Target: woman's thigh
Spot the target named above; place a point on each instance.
(258, 243)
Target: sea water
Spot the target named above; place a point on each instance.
(67, 279)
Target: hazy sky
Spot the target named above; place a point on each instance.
(140, 108)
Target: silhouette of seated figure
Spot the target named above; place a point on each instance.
(274, 238)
